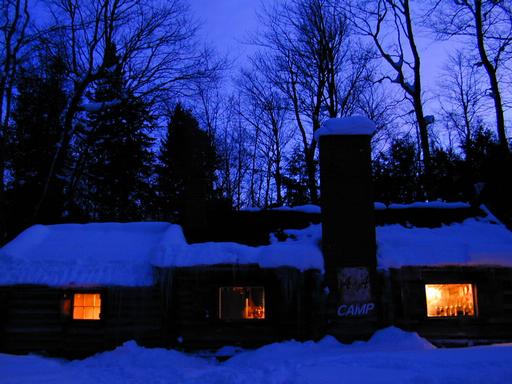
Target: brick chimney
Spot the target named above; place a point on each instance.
(348, 224)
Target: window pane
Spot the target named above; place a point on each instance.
(240, 303)
(450, 300)
(78, 313)
(79, 299)
(88, 313)
(89, 300)
(86, 306)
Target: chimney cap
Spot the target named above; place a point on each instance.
(353, 125)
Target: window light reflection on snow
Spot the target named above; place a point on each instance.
(86, 306)
(450, 300)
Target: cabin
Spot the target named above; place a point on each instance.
(253, 277)
(76, 289)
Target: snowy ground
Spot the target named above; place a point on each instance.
(391, 356)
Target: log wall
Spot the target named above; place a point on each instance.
(405, 303)
(291, 308)
(182, 311)
(33, 321)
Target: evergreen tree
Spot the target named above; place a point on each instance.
(396, 173)
(111, 178)
(34, 137)
(448, 182)
(295, 180)
(188, 160)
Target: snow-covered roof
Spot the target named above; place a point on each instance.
(316, 209)
(125, 254)
(431, 205)
(353, 125)
(86, 254)
(301, 250)
(475, 241)
(308, 208)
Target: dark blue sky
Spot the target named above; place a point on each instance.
(226, 24)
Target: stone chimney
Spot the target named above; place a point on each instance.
(348, 224)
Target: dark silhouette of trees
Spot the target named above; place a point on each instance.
(487, 24)
(294, 179)
(155, 43)
(463, 99)
(186, 173)
(14, 25)
(33, 137)
(396, 172)
(378, 19)
(265, 109)
(307, 54)
(80, 115)
(111, 174)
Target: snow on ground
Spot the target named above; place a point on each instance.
(391, 356)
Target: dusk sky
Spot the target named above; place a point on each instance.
(226, 24)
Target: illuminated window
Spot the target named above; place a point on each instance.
(450, 300)
(241, 303)
(86, 306)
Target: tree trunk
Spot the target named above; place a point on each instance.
(311, 173)
(418, 102)
(493, 79)
(3, 202)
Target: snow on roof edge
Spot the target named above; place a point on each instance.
(346, 126)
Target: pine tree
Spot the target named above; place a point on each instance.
(188, 160)
(295, 180)
(36, 132)
(396, 173)
(113, 166)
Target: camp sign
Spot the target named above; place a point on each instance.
(356, 296)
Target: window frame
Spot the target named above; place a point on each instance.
(71, 297)
(474, 290)
(241, 320)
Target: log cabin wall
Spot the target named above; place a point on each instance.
(405, 301)
(183, 310)
(33, 320)
(292, 306)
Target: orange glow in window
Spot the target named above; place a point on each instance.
(242, 303)
(86, 306)
(450, 300)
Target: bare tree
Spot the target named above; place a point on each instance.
(488, 23)
(462, 98)
(219, 115)
(155, 42)
(308, 56)
(380, 105)
(389, 24)
(266, 110)
(14, 23)
(236, 155)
